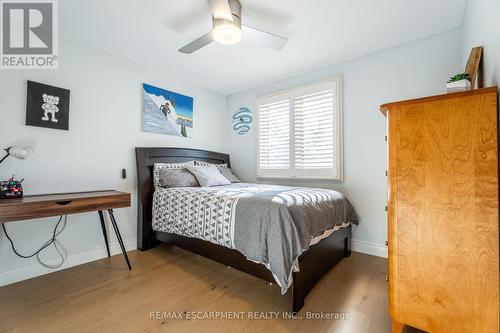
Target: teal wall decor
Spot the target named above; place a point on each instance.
(242, 120)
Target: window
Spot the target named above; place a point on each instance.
(299, 133)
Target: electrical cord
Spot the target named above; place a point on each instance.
(60, 250)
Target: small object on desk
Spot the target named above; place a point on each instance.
(39, 206)
(11, 188)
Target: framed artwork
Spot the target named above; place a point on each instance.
(474, 67)
(47, 106)
(166, 112)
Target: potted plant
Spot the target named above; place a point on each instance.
(459, 82)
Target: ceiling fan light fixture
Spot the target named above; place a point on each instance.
(226, 32)
(227, 29)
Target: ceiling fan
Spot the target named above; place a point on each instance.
(227, 29)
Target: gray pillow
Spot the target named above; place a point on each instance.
(224, 170)
(177, 178)
(200, 163)
(208, 175)
(160, 166)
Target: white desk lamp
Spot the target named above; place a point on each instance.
(18, 152)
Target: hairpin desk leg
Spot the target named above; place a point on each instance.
(104, 233)
(117, 232)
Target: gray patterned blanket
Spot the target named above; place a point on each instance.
(269, 224)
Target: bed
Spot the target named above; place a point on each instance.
(314, 259)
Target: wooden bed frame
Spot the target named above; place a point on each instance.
(314, 263)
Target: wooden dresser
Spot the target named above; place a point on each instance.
(443, 212)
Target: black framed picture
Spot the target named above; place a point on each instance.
(47, 106)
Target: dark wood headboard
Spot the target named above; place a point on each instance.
(145, 159)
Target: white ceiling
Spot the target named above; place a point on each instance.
(320, 33)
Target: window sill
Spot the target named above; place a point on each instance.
(300, 179)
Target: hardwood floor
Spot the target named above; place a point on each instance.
(105, 296)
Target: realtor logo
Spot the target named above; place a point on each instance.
(29, 37)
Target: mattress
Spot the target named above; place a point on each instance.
(269, 224)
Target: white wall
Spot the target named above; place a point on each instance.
(482, 28)
(105, 126)
(416, 69)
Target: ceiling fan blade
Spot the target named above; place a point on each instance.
(263, 38)
(197, 43)
(221, 9)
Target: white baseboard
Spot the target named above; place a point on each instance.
(16, 274)
(374, 249)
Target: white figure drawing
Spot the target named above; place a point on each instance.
(50, 106)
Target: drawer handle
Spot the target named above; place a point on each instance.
(64, 203)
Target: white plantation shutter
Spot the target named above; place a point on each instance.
(274, 135)
(300, 132)
(315, 130)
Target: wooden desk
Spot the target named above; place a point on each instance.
(39, 206)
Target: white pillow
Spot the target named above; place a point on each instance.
(208, 175)
(224, 170)
(158, 166)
